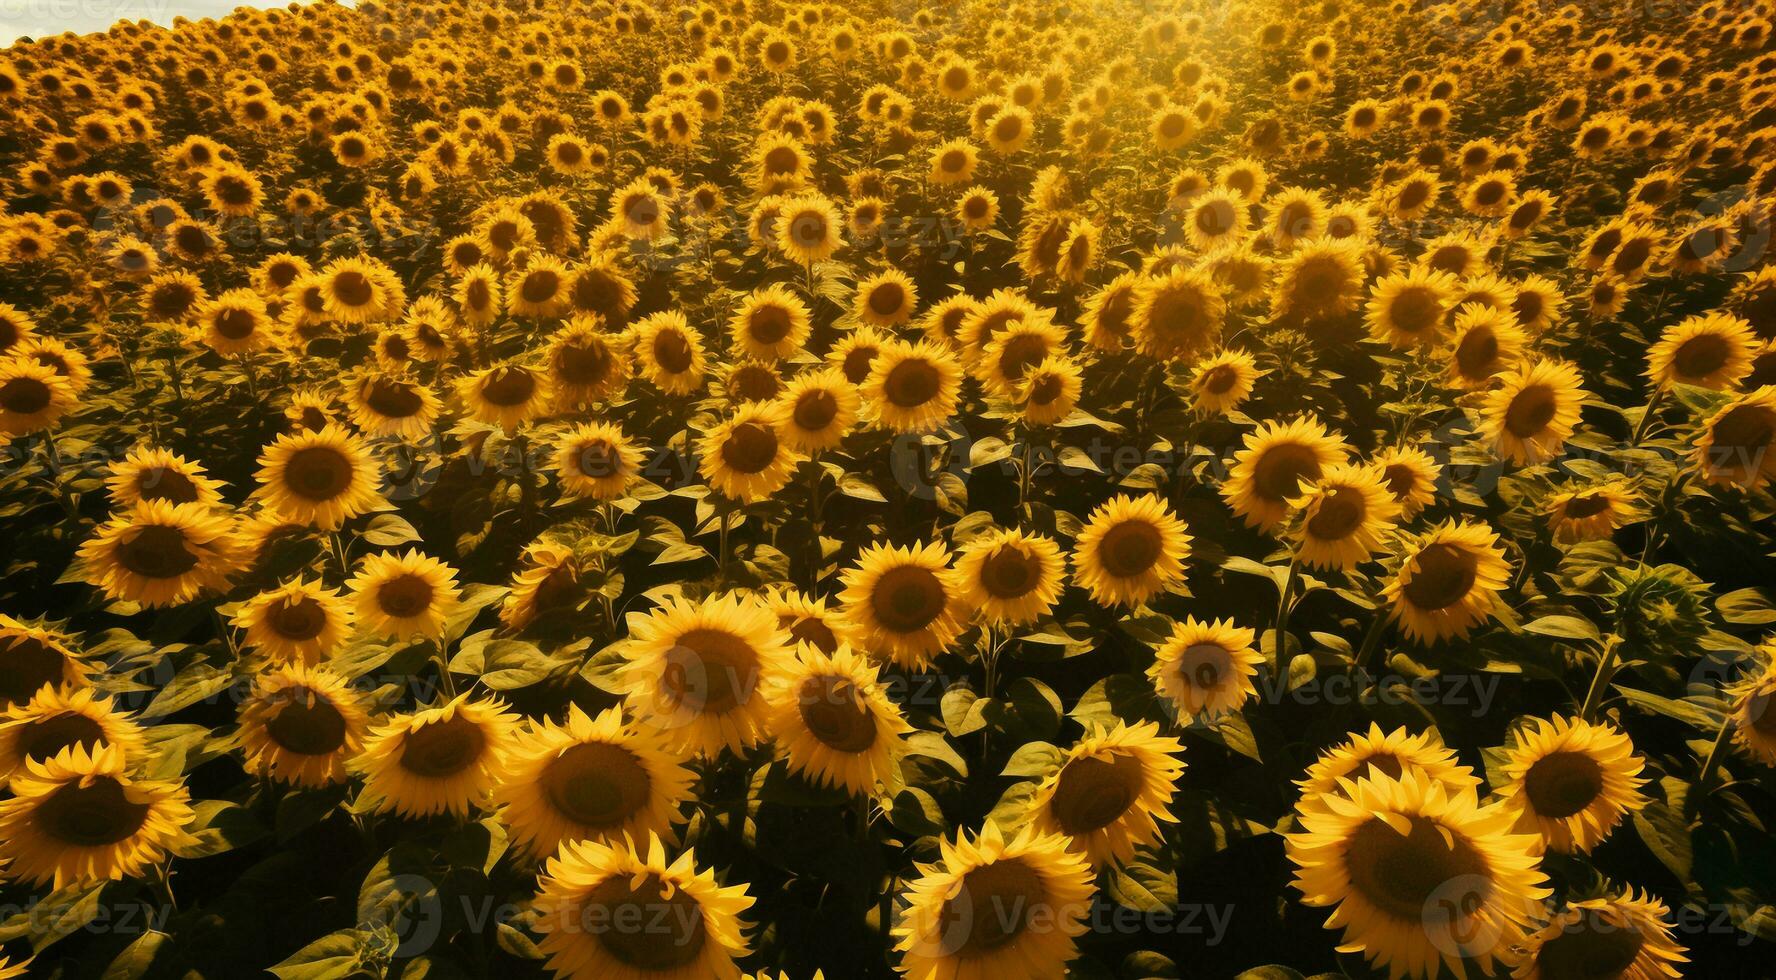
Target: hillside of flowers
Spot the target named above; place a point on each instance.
(599, 489)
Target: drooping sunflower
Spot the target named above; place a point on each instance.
(1592, 513)
(772, 323)
(1709, 351)
(597, 460)
(55, 719)
(161, 554)
(1449, 581)
(152, 473)
(1130, 550)
(1222, 381)
(1205, 670)
(669, 353)
(1736, 446)
(1343, 516)
(1277, 459)
(995, 908)
(1010, 576)
(1110, 792)
(617, 912)
(33, 396)
(1533, 411)
(1411, 476)
(913, 387)
(507, 394)
(694, 671)
(80, 818)
(1050, 390)
(1408, 309)
(322, 478)
(1570, 782)
(301, 725)
(1420, 877)
(817, 409)
(389, 403)
(547, 580)
(1622, 936)
(437, 760)
(596, 779)
(834, 723)
(743, 458)
(808, 620)
(901, 604)
(585, 364)
(404, 595)
(1367, 753)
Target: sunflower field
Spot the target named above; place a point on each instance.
(1253, 489)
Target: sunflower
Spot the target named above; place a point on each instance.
(585, 364)
(1710, 351)
(1736, 446)
(1392, 754)
(404, 595)
(79, 819)
(389, 403)
(300, 725)
(995, 908)
(1110, 792)
(913, 387)
(640, 211)
(437, 760)
(1222, 381)
(1532, 412)
(1752, 712)
(1485, 342)
(1107, 317)
(1050, 390)
(694, 671)
(1408, 309)
(1343, 516)
(161, 554)
(151, 473)
(321, 479)
(886, 299)
(816, 410)
(772, 323)
(1010, 576)
(1321, 280)
(595, 779)
(359, 290)
(33, 658)
(1215, 217)
(743, 458)
(539, 289)
(479, 295)
(1621, 936)
(1592, 513)
(547, 581)
(33, 396)
(1421, 877)
(597, 460)
(507, 394)
(616, 912)
(900, 602)
(1278, 457)
(1130, 550)
(55, 719)
(833, 722)
(953, 162)
(301, 621)
(808, 229)
(1011, 354)
(1205, 670)
(1449, 581)
(1571, 782)
(1177, 314)
(1411, 476)
(669, 353)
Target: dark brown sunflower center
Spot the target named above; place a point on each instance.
(27, 665)
(887, 299)
(751, 447)
(540, 286)
(24, 396)
(808, 230)
(1702, 355)
(162, 483)
(91, 813)
(1094, 792)
(1340, 514)
(1130, 548)
(405, 596)
(235, 323)
(994, 905)
(912, 383)
(1477, 352)
(1444, 576)
(815, 410)
(443, 749)
(672, 352)
(808, 629)
(1590, 949)
(300, 620)
(1205, 665)
(754, 383)
(156, 551)
(597, 784)
(1401, 479)
(393, 399)
(585, 364)
(1531, 411)
(976, 206)
(353, 288)
(1587, 505)
(509, 387)
(908, 598)
(1280, 470)
(953, 161)
(1020, 354)
(1401, 873)
(43, 739)
(1742, 436)
(598, 459)
(835, 712)
(1216, 217)
(1010, 573)
(649, 928)
(710, 671)
(1045, 390)
(858, 362)
(1416, 310)
(307, 724)
(171, 300)
(1561, 784)
(770, 323)
(318, 473)
(1220, 379)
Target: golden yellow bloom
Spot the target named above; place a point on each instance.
(1449, 581)
(55, 719)
(743, 458)
(79, 818)
(161, 554)
(816, 410)
(1205, 670)
(1374, 752)
(1110, 792)
(1592, 513)
(404, 595)
(1533, 411)
(1010, 576)
(1626, 933)
(834, 723)
(301, 621)
(301, 725)
(437, 760)
(1408, 309)
(1220, 382)
(1736, 446)
(322, 478)
(597, 460)
(1570, 781)
(669, 353)
(771, 323)
(1711, 351)
(901, 603)
(1343, 516)
(913, 387)
(33, 396)
(1177, 314)
(1130, 550)
(1278, 457)
(387, 403)
(151, 473)
(506, 395)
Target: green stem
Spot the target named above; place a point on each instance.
(446, 683)
(815, 502)
(339, 558)
(1282, 613)
(1606, 663)
(1646, 417)
(1711, 765)
(1371, 640)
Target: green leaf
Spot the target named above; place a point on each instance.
(1564, 627)
(933, 745)
(916, 812)
(220, 827)
(335, 956)
(1033, 760)
(1688, 712)
(138, 958)
(854, 485)
(963, 711)
(1746, 607)
(1665, 833)
(390, 530)
(1141, 886)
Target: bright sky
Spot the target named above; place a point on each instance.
(42, 18)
